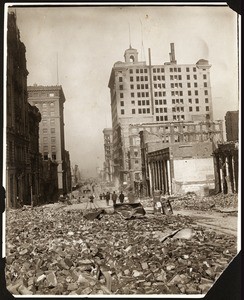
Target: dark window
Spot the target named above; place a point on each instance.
(139, 102)
(133, 102)
(188, 77)
(45, 156)
(132, 86)
(147, 102)
(157, 110)
(138, 86)
(205, 84)
(165, 102)
(187, 69)
(133, 111)
(195, 76)
(197, 108)
(121, 87)
(148, 110)
(188, 84)
(196, 92)
(139, 110)
(195, 84)
(207, 108)
(132, 95)
(189, 100)
(139, 94)
(157, 118)
(131, 71)
(156, 102)
(165, 109)
(137, 70)
(205, 92)
(196, 100)
(120, 79)
(189, 93)
(194, 69)
(121, 103)
(122, 112)
(204, 76)
(206, 100)
(54, 156)
(121, 95)
(190, 108)
(131, 78)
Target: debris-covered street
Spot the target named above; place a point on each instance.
(54, 249)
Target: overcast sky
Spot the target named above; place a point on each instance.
(89, 40)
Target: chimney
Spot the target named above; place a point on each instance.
(172, 53)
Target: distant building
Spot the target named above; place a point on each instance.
(76, 176)
(22, 123)
(50, 102)
(146, 93)
(108, 150)
(232, 126)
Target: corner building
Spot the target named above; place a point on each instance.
(50, 102)
(146, 93)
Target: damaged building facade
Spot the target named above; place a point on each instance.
(146, 93)
(178, 157)
(226, 156)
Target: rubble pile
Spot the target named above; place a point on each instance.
(59, 252)
(192, 201)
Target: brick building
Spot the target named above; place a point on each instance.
(146, 93)
(22, 122)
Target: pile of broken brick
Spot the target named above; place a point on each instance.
(59, 252)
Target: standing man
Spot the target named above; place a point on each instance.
(121, 197)
(107, 197)
(114, 197)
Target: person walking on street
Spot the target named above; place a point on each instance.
(121, 197)
(114, 197)
(107, 198)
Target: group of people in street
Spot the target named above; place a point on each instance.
(114, 197)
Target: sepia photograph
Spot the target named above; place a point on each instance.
(120, 148)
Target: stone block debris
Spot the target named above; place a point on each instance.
(53, 251)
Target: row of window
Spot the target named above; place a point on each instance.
(53, 139)
(138, 71)
(198, 108)
(45, 148)
(160, 101)
(161, 118)
(45, 155)
(45, 122)
(162, 77)
(161, 110)
(45, 130)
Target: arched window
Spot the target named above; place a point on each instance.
(132, 59)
